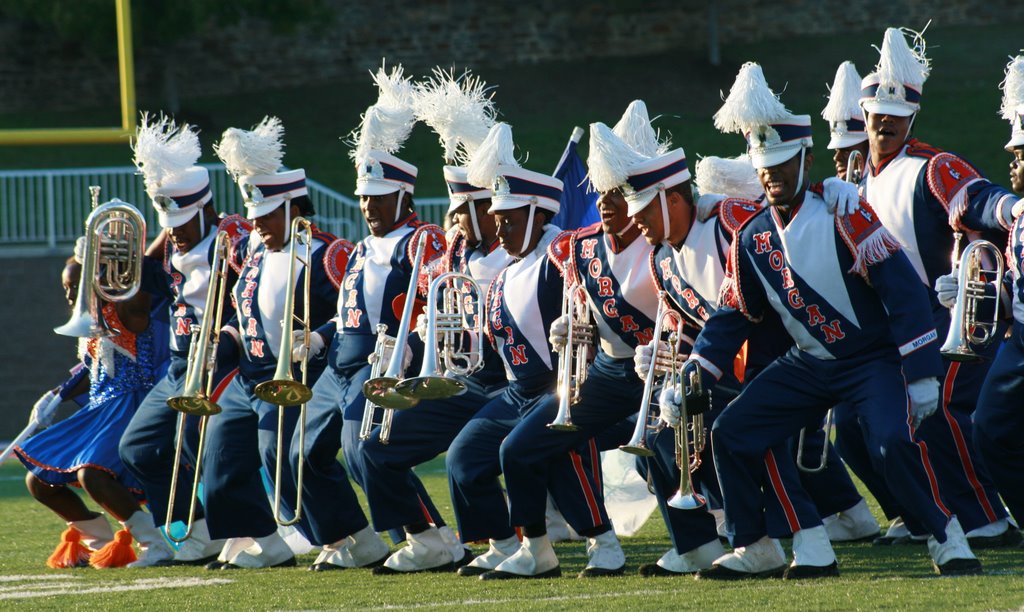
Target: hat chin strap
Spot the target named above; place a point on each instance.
(202, 224)
(664, 212)
(472, 219)
(628, 227)
(287, 221)
(529, 231)
(398, 204)
(800, 176)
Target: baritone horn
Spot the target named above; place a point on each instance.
(199, 380)
(454, 303)
(687, 458)
(661, 362)
(383, 390)
(572, 356)
(115, 239)
(283, 389)
(964, 328)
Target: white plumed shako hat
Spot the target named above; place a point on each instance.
(253, 159)
(843, 113)
(1012, 107)
(384, 128)
(896, 85)
(166, 155)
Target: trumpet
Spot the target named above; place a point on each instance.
(572, 356)
(382, 390)
(195, 397)
(854, 167)
(382, 351)
(964, 328)
(459, 312)
(687, 460)
(283, 389)
(660, 362)
(115, 235)
(823, 461)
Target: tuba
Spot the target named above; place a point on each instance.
(572, 356)
(115, 235)
(195, 397)
(283, 389)
(383, 390)
(459, 307)
(687, 458)
(964, 328)
(660, 362)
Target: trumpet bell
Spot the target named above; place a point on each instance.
(686, 502)
(430, 387)
(86, 326)
(640, 450)
(383, 392)
(960, 353)
(283, 392)
(192, 405)
(569, 426)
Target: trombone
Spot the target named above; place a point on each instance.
(115, 234)
(965, 329)
(687, 460)
(823, 461)
(572, 356)
(383, 390)
(283, 389)
(382, 351)
(660, 362)
(854, 167)
(195, 397)
(460, 307)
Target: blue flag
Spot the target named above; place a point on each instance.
(579, 200)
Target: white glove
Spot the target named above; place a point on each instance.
(642, 358)
(300, 350)
(706, 205)
(421, 327)
(947, 287)
(559, 332)
(671, 400)
(924, 399)
(44, 408)
(842, 198)
(79, 252)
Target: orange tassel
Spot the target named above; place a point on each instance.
(70, 552)
(117, 553)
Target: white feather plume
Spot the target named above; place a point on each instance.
(386, 125)
(163, 150)
(750, 102)
(460, 109)
(899, 62)
(734, 177)
(635, 129)
(610, 158)
(1013, 88)
(844, 95)
(251, 152)
(497, 149)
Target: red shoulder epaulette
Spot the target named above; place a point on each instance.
(238, 229)
(560, 250)
(947, 174)
(733, 213)
(916, 148)
(336, 260)
(858, 225)
(589, 230)
(433, 252)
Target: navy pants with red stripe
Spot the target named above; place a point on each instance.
(474, 464)
(798, 389)
(611, 392)
(999, 422)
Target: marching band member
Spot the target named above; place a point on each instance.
(922, 194)
(860, 332)
(242, 437)
(846, 121)
(177, 269)
(998, 420)
(461, 113)
(373, 286)
(82, 449)
(522, 302)
(607, 260)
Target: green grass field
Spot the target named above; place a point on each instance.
(872, 578)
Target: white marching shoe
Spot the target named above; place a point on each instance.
(232, 546)
(720, 529)
(854, 524)
(534, 559)
(605, 556)
(152, 546)
(96, 532)
(557, 527)
(198, 549)
(954, 556)
(460, 554)
(425, 551)
(997, 534)
(498, 551)
(813, 556)
(761, 559)
(363, 548)
(268, 551)
(688, 563)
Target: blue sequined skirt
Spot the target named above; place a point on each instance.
(88, 438)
